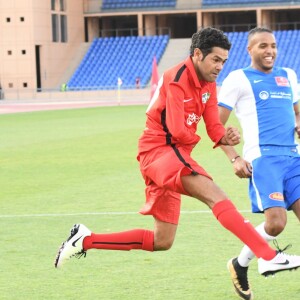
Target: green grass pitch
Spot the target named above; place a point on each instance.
(58, 168)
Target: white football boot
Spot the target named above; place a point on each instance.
(281, 262)
(73, 246)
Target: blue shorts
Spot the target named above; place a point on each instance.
(275, 182)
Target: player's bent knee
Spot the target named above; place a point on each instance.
(275, 227)
(162, 245)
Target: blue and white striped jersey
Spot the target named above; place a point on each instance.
(263, 104)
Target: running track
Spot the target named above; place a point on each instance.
(11, 107)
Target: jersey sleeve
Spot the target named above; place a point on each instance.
(292, 76)
(229, 91)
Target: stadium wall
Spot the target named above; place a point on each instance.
(31, 59)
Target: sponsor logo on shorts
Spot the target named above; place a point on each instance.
(276, 196)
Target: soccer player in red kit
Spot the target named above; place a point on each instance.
(185, 94)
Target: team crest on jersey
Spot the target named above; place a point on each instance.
(205, 97)
(282, 81)
(192, 118)
(276, 196)
(263, 95)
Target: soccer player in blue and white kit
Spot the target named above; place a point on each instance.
(265, 101)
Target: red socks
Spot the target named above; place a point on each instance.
(233, 221)
(126, 240)
(224, 211)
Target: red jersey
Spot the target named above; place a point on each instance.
(179, 103)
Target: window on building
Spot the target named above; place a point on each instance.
(22, 19)
(52, 4)
(59, 21)
(63, 29)
(7, 20)
(55, 31)
(62, 5)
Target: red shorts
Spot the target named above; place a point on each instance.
(162, 169)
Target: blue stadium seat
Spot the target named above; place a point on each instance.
(131, 4)
(124, 57)
(207, 3)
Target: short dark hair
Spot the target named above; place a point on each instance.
(207, 38)
(258, 30)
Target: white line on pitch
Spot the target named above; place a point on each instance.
(101, 213)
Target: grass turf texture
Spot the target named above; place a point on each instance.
(58, 166)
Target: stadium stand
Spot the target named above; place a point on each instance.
(127, 58)
(207, 3)
(111, 58)
(288, 42)
(128, 4)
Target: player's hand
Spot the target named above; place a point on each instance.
(232, 136)
(297, 129)
(242, 168)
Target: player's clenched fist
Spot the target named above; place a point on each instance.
(232, 136)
